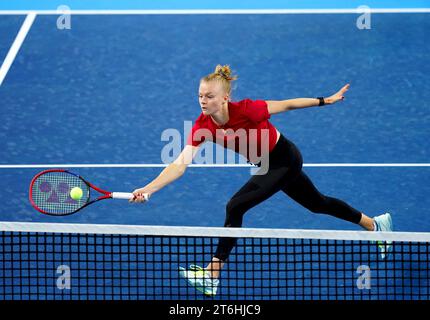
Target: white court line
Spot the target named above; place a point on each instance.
(222, 11)
(161, 165)
(25, 28)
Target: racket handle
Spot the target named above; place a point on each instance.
(126, 195)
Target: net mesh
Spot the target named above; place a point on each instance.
(128, 262)
(50, 192)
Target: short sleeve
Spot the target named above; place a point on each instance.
(256, 110)
(192, 139)
(199, 133)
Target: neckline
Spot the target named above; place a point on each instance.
(228, 121)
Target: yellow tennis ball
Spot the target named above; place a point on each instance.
(76, 193)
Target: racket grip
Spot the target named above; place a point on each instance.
(126, 196)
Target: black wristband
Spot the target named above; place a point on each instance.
(322, 102)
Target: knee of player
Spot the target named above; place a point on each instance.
(315, 209)
(234, 214)
(231, 206)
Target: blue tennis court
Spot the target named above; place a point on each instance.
(97, 97)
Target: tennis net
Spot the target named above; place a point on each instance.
(47, 261)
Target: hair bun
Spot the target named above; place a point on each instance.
(225, 72)
(222, 75)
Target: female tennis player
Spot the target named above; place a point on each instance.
(282, 173)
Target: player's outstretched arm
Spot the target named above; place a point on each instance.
(300, 103)
(169, 174)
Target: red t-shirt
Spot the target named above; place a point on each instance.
(246, 132)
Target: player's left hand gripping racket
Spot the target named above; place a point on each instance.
(50, 192)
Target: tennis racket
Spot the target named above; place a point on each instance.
(50, 192)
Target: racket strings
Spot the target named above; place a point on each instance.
(51, 193)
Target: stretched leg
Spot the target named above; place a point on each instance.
(303, 191)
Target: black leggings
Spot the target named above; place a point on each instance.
(284, 173)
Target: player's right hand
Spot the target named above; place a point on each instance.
(139, 195)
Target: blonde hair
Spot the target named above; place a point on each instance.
(223, 75)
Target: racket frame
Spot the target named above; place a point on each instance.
(105, 194)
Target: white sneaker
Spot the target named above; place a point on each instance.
(384, 223)
(201, 279)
